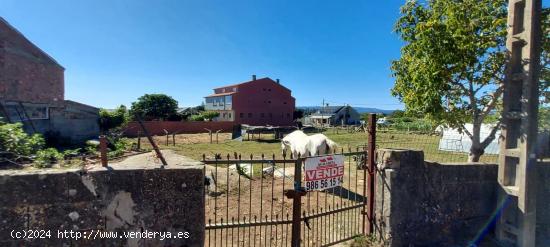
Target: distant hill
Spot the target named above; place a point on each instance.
(361, 110)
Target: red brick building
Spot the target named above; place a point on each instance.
(32, 91)
(256, 102)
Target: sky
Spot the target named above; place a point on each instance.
(117, 50)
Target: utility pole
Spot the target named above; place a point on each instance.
(517, 160)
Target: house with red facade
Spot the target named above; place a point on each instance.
(257, 102)
(32, 91)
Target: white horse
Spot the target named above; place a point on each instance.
(300, 144)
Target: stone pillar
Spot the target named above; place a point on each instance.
(394, 169)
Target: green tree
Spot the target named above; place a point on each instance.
(452, 63)
(209, 115)
(154, 106)
(397, 114)
(113, 119)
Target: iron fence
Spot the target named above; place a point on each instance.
(248, 202)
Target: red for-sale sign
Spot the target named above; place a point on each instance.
(324, 172)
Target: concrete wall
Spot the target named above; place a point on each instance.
(428, 204)
(158, 127)
(110, 200)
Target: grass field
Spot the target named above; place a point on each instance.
(197, 145)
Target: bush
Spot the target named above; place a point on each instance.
(196, 118)
(15, 141)
(209, 115)
(45, 158)
(113, 119)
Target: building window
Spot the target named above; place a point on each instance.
(284, 103)
(18, 113)
(241, 115)
(228, 100)
(269, 89)
(249, 115)
(269, 101)
(229, 115)
(224, 115)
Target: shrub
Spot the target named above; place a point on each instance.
(113, 119)
(15, 141)
(196, 118)
(209, 115)
(45, 158)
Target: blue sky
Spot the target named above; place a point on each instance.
(117, 50)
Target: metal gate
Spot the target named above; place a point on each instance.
(259, 201)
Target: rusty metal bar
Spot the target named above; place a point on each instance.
(155, 147)
(371, 169)
(103, 150)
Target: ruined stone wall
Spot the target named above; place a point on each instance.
(107, 200)
(420, 203)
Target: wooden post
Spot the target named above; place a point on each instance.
(139, 140)
(103, 150)
(167, 137)
(173, 139)
(209, 133)
(155, 147)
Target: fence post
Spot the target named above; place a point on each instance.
(103, 150)
(155, 147)
(139, 140)
(296, 194)
(371, 168)
(174, 139)
(167, 136)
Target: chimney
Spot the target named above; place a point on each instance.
(253, 77)
(278, 82)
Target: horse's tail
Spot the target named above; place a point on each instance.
(331, 146)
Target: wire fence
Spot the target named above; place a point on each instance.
(435, 146)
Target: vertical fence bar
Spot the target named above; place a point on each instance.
(372, 167)
(297, 203)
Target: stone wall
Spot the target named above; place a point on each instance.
(120, 199)
(420, 203)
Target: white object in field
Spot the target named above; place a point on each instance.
(454, 141)
(382, 121)
(298, 142)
